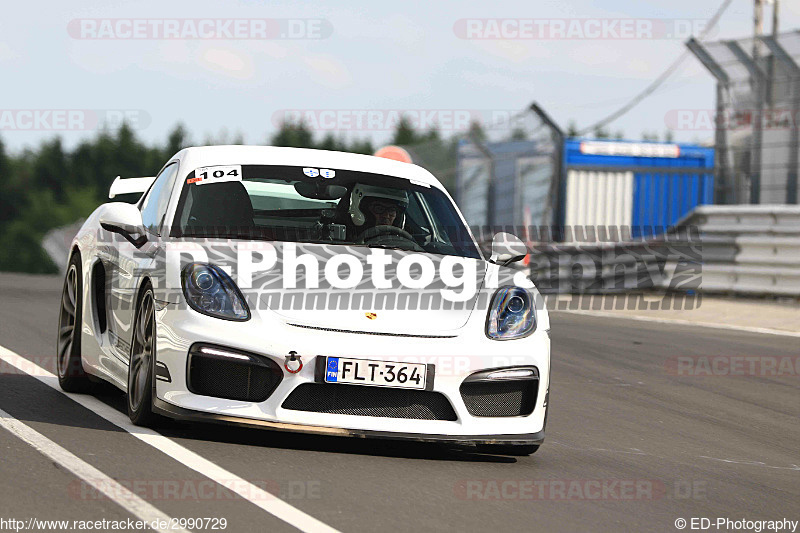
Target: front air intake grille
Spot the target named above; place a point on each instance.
(370, 401)
(500, 398)
(238, 376)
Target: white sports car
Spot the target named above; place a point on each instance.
(306, 290)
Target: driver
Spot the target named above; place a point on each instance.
(372, 206)
(384, 211)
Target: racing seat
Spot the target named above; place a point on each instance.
(220, 209)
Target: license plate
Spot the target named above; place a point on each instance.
(375, 373)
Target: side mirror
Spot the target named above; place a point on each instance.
(125, 219)
(507, 248)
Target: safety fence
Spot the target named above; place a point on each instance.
(757, 137)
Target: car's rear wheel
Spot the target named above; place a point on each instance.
(71, 375)
(142, 362)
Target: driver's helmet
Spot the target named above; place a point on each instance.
(363, 194)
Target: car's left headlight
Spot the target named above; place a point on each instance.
(512, 314)
(209, 290)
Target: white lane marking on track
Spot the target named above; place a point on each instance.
(679, 322)
(250, 492)
(752, 463)
(91, 475)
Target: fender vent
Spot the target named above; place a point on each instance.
(99, 294)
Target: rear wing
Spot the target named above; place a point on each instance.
(129, 186)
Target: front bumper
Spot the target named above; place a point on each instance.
(179, 413)
(454, 357)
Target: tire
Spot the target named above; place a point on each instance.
(516, 450)
(71, 375)
(141, 366)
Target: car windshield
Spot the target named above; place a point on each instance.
(313, 205)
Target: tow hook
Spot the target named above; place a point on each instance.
(293, 358)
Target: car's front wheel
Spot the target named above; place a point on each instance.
(141, 366)
(71, 375)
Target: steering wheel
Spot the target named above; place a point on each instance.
(389, 236)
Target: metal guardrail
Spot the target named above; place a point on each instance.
(56, 243)
(772, 251)
(767, 240)
(653, 264)
(753, 250)
(755, 280)
(739, 219)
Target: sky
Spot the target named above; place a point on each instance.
(348, 57)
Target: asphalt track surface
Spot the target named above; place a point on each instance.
(711, 446)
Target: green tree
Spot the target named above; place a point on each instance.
(50, 170)
(476, 131)
(329, 142)
(49, 187)
(128, 153)
(404, 133)
(10, 197)
(362, 147)
(433, 135)
(22, 237)
(518, 134)
(178, 140)
(572, 129)
(601, 133)
(294, 134)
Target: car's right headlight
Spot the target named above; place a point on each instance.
(512, 314)
(209, 290)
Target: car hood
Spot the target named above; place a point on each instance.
(395, 309)
(322, 301)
